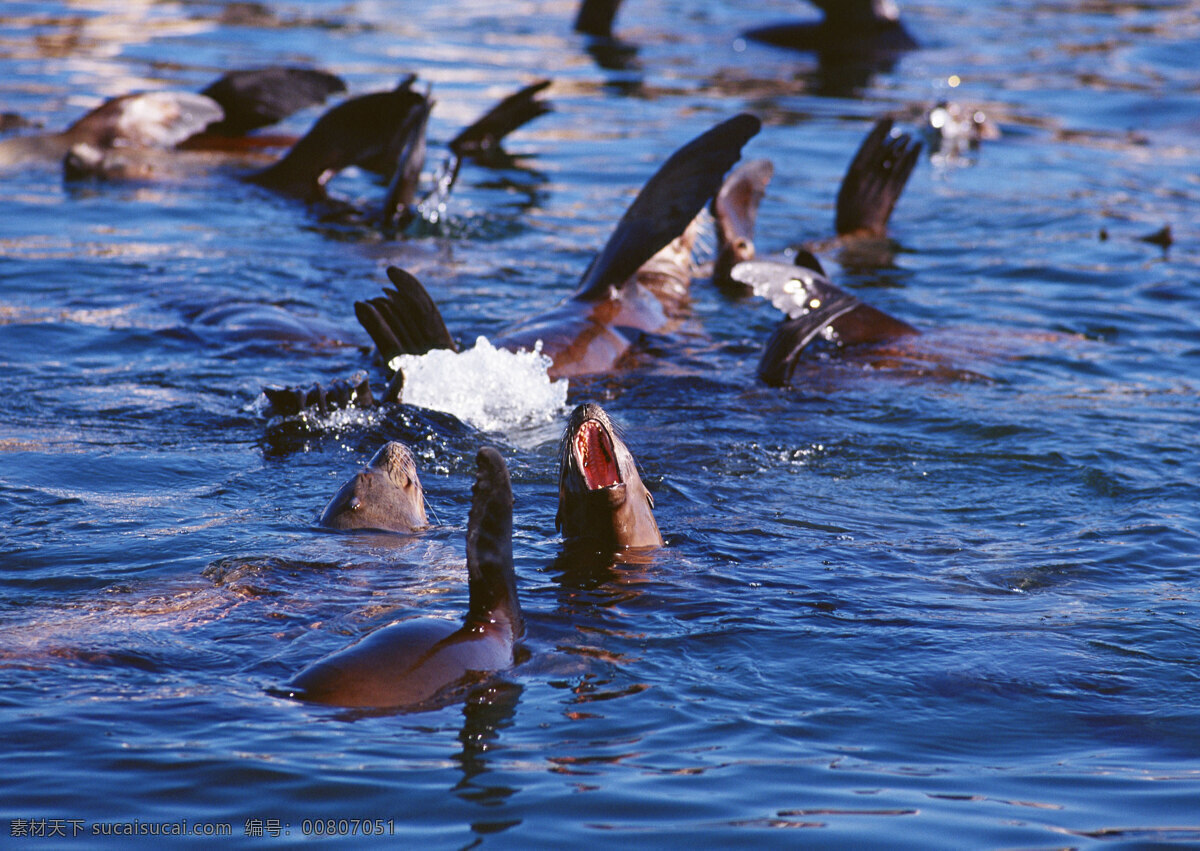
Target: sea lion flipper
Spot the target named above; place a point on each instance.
(257, 98)
(667, 203)
(517, 109)
(792, 289)
(409, 159)
(814, 306)
(793, 335)
(873, 182)
(493, 588)
(160, 119)
(369, 131)
(735, 210)
(595, 17)
(404, 320)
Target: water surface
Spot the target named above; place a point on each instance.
(948, 600)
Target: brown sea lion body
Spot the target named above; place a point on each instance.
(419, 664)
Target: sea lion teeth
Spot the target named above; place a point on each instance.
(601, 498)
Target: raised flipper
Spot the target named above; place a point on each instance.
(793, 335)
(667, 204)
(400, 199)
(258, 98)
(874, 181)
(404, 320)
(367, 131)
(735, 210)
(596, 17)
(514, 111)
(490, 574)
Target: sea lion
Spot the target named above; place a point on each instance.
(386, 495)
(815, 308)
(420, 664)
(381, 132)
(232, 105)
(850, 29)
(638, 282)
(601, 499)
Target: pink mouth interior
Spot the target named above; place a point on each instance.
(594, 452)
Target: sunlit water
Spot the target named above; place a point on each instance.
(946, 600)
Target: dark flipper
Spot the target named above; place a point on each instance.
(596, 17)
(406, 165)
(505, 117)
(258, 98)
(367, 131)
(874, 181)
(404, 320)
(668, 203)
(735, 210)
(492, 580)
(814, 307)
(342, 393)
(793, 335)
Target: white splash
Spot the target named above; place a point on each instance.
(492, 389)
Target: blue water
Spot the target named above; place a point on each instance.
(946, 600)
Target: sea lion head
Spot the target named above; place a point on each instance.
(601, 498)
(385, 495)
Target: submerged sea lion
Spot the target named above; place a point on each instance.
(386, 495)
(235, 104)
(420, 664)
(815, 307)
(382, 132)
(638, 282)
(601, 498)
(849, 29)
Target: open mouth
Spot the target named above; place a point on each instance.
(595, 457)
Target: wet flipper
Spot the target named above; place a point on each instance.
(814, 307)
(484, 138)
(404, 320)
(793, 335)
(368, 131)
(261, 97)
(491, 578)
(398, 202)
(514, 111)
(339, 395)
(873, 182)
(147, 120)
(596, 17)
(735, 210)
(667, 204)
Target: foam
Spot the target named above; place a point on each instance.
(492, 389)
